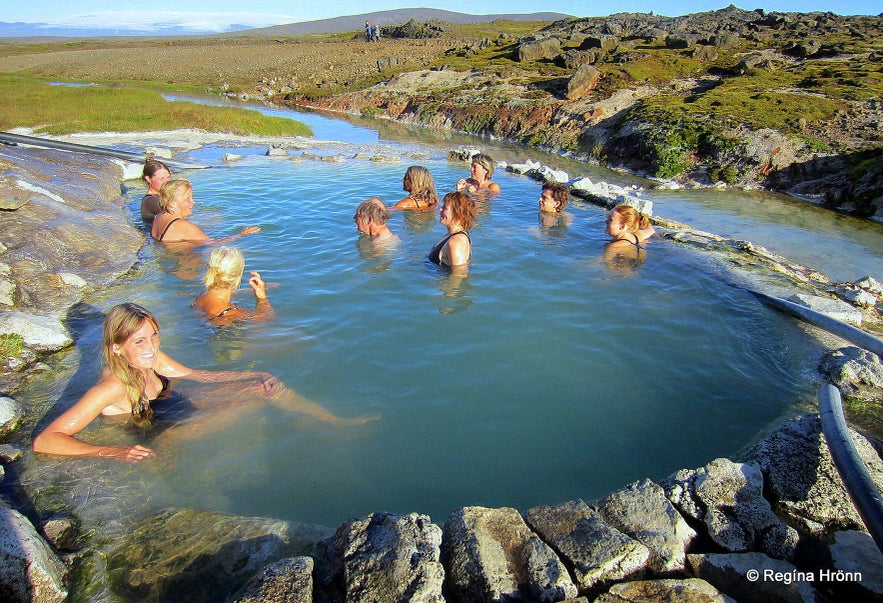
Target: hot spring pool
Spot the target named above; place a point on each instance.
(545, 375)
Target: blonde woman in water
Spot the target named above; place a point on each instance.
(222, 278)
(136, 383)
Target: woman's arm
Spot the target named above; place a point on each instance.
(58, 437)
(168, 367)
(242, 233)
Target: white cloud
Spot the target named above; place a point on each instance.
(190, 21)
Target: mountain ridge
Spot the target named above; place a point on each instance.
(331, 25)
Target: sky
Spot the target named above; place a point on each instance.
(215, 16)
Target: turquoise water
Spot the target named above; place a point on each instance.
(544, 375)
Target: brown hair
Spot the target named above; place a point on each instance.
(152, 166)
(463, 208)
(560, 193)
(119, 324)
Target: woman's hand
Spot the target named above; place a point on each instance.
(461, 184)
(258, 285)
(249, 230)
(132, 454)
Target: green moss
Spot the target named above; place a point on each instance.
(10, 347)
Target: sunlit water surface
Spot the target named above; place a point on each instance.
(544, 375)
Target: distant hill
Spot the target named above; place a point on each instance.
(334, 25)
(390, 17)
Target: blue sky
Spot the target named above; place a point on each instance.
(217, 15)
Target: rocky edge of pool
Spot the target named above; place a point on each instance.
(774, 524)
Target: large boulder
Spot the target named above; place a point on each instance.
(534, 50)
(39, 332)
(29, 570)
(856, 566)
(802, 481)
(727, 498)
(582, 82)
(386, 558)
(11, 416)
(596, 553)
(491, 555)
(855, 371)
(642, 511)
(754, 577)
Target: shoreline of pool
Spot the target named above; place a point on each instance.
(800, 278)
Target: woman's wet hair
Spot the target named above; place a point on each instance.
(120, 323)
(485, 161)
(631, 217)
(422, 184)
(169, 192)
(372, 210)
(560, 193)
(463, 208)
(224, 269)
(151, 167)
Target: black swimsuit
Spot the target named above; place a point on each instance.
(435, 253)
(225, 311)
(166, 229)
(636, 243)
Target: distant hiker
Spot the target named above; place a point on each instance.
(376, 33)
(369, 31)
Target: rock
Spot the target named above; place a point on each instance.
(276, 151)
(642, 511)
(870, 285)
(160, 152)
(606, 43)
(11, 416)
(857, 296)
(72, 280)
(29, 570)
(7, 285)
(801, 480)
(775, 581)
(534, 50)
(387, 558)
(596, 553)
(705, 53)
(855, 553)
(206, 555)
(491, 555)
(230, 157)
(574, 59)
(40, 333)
(855, 371)
(10, 453)
(582, 82)
(285, 581)
(62, 532)
(546, 174)
(727, 498)
(523, 168)
(833, 308)
(688, 590)
(609, 195)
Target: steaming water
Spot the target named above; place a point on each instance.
(545, 375)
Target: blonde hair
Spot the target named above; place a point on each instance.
(169, 192)
(225, 268)
(485, 161)
(119, 325)
(631, 217)
(422, 184)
